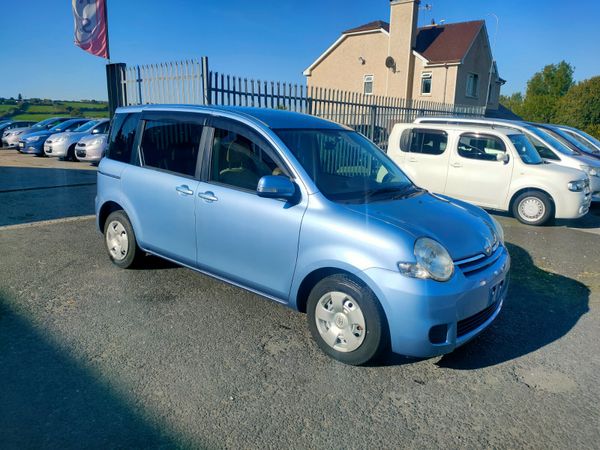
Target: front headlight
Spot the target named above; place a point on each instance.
(96, 141)
(576, 186)
(32, 139)
(499, 230)
(432, 261)
(60, 139)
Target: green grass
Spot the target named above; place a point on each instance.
(44, 109)
(85, 105)
(4, 108)
(36, 117)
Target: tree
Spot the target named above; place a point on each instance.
(513, 102)
(580, 107)
(544, 90)
(19, 98)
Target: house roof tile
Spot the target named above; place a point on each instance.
(437, 43)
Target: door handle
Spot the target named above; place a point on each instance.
(208, 196)
(184, 189)
(457, 165)
(413, 159)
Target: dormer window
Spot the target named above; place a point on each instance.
(473, 85)
(368, 84)
(426, 83)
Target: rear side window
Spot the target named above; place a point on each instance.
(427, 142)
(171, 145)
(122, 137)
(479, 146)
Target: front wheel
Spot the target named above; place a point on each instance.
(120, 241)
(533, 208)
(346, 320)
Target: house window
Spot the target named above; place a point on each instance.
(368, 84)
(426, 83)
(473, 85)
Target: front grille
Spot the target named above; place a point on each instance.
(469, 324)
(477, 263)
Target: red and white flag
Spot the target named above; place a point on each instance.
(91, 27)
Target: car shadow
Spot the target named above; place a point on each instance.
(152, 262)
(49, 399)
(33, 194)
(540, 308)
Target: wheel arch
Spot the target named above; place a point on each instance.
(105, 210)
(531, 189)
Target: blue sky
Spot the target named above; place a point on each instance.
(270, 39)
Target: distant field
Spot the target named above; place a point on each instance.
(41, 112)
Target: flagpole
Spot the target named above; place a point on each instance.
(106, 23)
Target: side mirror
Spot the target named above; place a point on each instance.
(95, 131)
(274, 186)
(502, 157)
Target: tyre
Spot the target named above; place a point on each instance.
(120, 241)
(533, 208)
(346, 320)
(70, 156)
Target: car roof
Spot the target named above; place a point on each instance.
(467, 128)
(271, 118)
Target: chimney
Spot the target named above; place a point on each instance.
(404, 16)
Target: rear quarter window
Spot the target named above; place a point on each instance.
(122, 137)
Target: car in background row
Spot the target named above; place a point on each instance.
(33, 142)
(62, 145)
(569, 140)
(582, 137)
(91, 148)
(11, 138)
(495, 168)
(8, 125)
(549, 148)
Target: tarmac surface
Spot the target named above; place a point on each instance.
(95, 356)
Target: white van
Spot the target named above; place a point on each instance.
(495, 168)
(549, 148)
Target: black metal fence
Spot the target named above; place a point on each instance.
(191, 82)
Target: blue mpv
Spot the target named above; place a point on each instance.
(308, 213)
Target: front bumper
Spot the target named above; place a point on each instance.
(56, 149)
(90, 153)
(34, 148)
(428, 318)
(10, 142)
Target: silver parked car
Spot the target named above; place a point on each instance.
(91, 148)
(62, 145)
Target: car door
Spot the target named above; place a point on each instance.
(480, 170)
(426, 158)
(240, 236)
(162, 187)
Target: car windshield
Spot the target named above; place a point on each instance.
(347, 167)
(87, 126)
(584, 138)
(570, 140)
(552, 141)
(44, 123)
(525, 149)
(64, 125)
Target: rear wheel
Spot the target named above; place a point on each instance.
(120, 241)
(533, 208)
(346, 320)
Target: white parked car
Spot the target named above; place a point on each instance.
(91, 148)
(495, 168)
(548, 147)
(62, 145)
